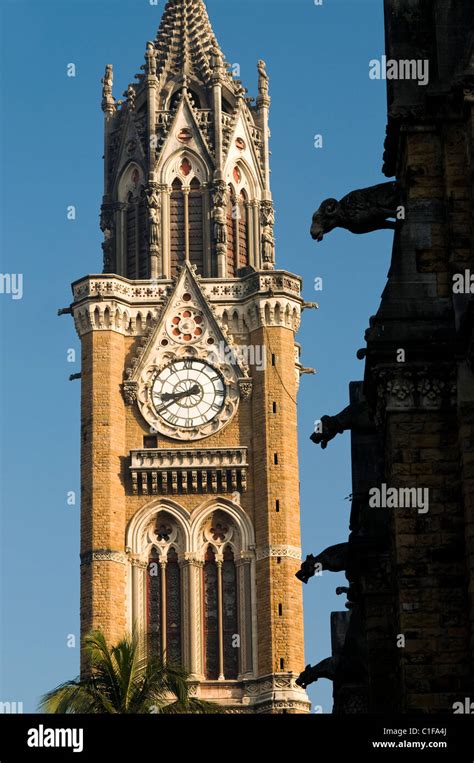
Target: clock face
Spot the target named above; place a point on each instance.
(188, 393)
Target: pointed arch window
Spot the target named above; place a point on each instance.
(211, 616)
(177, 245)
(237, 232)
(186, 222)
(164, 606)
(229, 615)
(231, 233)
(220, 615)
(195, 227)
(242, 228)
(136, 237)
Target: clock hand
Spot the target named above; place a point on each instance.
(178, 395)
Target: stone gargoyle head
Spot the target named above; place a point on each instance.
(325, 219)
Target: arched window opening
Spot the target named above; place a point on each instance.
(173, 608)
(177, 242)
(221, 627)
(154, 603)
(196, 242)
(242, 209)
(226, 107)
(164, 626)
(211, 616)
(230, 622)
(177, 94)
(136, 235)
(232, 237)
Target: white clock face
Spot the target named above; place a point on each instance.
(188, 393)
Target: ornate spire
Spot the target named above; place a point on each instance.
(185, 42)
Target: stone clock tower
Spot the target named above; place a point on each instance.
(189, 468)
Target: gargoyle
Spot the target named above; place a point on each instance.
(355, 416)
(332, 559)
(361, 211)
(324, 669)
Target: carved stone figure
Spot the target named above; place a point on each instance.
(154, 226)
(332, 559)
(130, 95)
(361, 211)
(219, 194)
(108, 81)
(263, 79)
(267, 219)
(324, 669)
(220, 232)
(355, 416)
(150, 57)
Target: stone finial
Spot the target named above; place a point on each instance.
(108, 101)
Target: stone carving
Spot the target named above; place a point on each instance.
(361, 211)
(130, 95)
(154, 217)
(263, 79)
(245, 387)
(108, 101)
(267, 219)
(150, 57)
(130, 392)
(355, 416)
(103, 555)
(324, 669)
(293, 552)
(219, 199)
(332, 559)
(107, 226)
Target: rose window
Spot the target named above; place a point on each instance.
(186, 325)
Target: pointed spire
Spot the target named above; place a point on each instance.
(186, 42)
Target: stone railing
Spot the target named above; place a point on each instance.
(202, 470)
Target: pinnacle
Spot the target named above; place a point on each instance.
(185, 41)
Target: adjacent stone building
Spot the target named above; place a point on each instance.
(190, 529)
(409, 637)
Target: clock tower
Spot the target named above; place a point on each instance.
(190, 527)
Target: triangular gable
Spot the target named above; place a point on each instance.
(187, 328)
(184, 117)
(241, 129)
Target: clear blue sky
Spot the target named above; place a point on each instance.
(51, 157)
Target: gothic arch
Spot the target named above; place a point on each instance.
(126, 183)
(236, 513)
(170, 169)
(135, 535)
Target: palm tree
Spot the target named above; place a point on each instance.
(123, 680)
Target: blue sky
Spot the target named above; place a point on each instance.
(51, 157)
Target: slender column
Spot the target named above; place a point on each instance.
(137, 607)
(194, 569)
(236, 216)
(217, 104)
(163, 607)
(220, 618)
(256, 235)
(248, 223)
(245, 609)
(165, 231)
